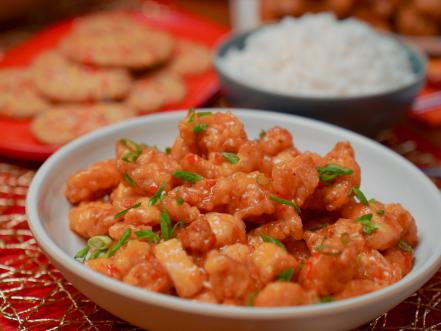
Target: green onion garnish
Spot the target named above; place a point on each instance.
(404, 246)
(81, 254)
(165, 224)
(332, 171)
(204, 113)
(262, 133)
(360, 196)
(200, 127)
(179, 224)
(345, 238)
(286, 275)
(123, 212)
(99, 242)
(318, 227)
(135, 150)
(231, 157)
(250, 298)
(129, 180)
(191, 114)
(97, 253)
(187, 176)
(179, 201)
(325, 249)
(380, 211)
(269, 239)
(168, 150)
(158, 196)
(124, 238)
(368, 226)
(328, 298)
(372, 200)
(151, 236)
(286, 202)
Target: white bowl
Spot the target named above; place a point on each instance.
(386, 176)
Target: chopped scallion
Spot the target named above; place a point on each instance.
(129, 180)
(200, 127)
(360, 196)
(332, 171)
(269, 239)
(286, 202)
(368, 226)
(158, 196)
(151, 236)
(187, 176)
(99, 242)
(123, 212)
(124, 238)
(231, 157)
(286, 275)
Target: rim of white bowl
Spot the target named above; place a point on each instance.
(185, 305)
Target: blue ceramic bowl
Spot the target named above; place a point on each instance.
(367, 114)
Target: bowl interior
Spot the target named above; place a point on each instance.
(385, 176)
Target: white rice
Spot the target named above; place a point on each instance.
(317, 55)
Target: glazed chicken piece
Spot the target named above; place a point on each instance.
(92, 183)
(217, 132)
(332, 196)
(229, 279)
(186, 276)
(295, 178)
(334, 251)
(148, 170)
(279, 294)
(92, 218)
(270, 260)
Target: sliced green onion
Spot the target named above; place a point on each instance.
(99, 242)
(372, 200)
(158, 196)
(332, 171)
(123, 212)
(191, 115)
(327, 298)
(250, 298)
(187, 176)
(269, 239)
(231, 157)
(129, 180)
(345, 238)
(261, 179)
(360, 196)
(179, 201)
(404, 246)
(135, 150)
(81, 254)
(262, 133)
(96, 254)
(179, 224)
(318, 227)
(151, 236)
(380, 212)
(165, 224)
(325, 249)
(286, 202)
(368, 226)
(286, 275)
(204, 113)
(200, 127)
(124, 238)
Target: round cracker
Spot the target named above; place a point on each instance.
(123, 43)
(18, 97)
(63, 80)
(61, 124)
(190, 58)
(155, 91)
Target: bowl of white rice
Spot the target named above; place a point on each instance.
(338, 71)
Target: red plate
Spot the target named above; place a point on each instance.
(17, 140)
